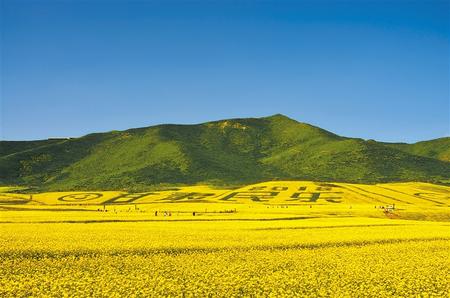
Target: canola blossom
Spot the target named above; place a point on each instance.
(307, 240)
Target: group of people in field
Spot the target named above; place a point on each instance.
(169, 213)
(388, 207)
(388, 210)
(165, 213)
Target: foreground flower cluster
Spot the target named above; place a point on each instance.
(320, 257)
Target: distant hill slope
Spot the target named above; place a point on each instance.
(234, 151)
(438, 148)
(10, 147)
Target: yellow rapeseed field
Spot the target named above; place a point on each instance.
(273, 239)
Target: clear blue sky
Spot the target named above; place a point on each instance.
(369, 69)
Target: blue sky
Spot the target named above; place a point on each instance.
(369, 69)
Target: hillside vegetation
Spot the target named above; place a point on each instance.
(227, 152)
(438, 148)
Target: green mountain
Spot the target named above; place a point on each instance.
(438, 148)
(226, 152)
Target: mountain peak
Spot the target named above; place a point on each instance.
(279, 117)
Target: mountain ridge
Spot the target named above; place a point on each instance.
(230, 151)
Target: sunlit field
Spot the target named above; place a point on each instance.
(280, 238)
